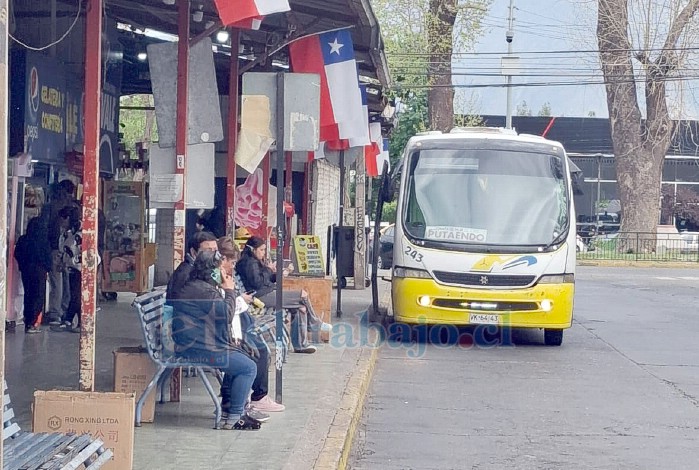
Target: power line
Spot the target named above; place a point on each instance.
(579, 51)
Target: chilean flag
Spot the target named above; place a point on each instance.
(361, 133)
(372, 152)
(235, 11)
(331, 55)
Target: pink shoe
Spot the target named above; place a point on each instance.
(267, 405)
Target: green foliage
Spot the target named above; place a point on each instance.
(389, 213)
(133, 123)
(523, 109)
(546, 109)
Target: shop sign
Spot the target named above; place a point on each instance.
(44, 115)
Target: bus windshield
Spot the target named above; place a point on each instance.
(486, 197)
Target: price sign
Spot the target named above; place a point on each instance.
(308, 255)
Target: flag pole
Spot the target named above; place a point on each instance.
(280, 160)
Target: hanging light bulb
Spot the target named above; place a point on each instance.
(222, 36)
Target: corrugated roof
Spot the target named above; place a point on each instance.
(584, 135)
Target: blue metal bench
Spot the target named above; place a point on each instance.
(47, 451)
(156, 317)
(266, 324)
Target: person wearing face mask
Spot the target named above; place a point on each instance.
(206, 329)
(261, 277)
(260, 401)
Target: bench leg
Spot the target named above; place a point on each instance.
(165, 378)
(214, 397)
(146, 392)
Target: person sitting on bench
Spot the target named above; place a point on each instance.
(204, 330)
(200, 241)
(261, 278)
(260, 400)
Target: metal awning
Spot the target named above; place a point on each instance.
(259, 48)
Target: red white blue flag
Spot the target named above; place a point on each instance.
(331, 55)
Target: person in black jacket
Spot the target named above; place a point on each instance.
(33, 255)
(262, 278)
(204, 330)
(200, 241)
(260, 400)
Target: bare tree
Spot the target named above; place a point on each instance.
(639, 54)
(440, 30)
(420, 37)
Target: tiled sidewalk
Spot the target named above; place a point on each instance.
(182, 435)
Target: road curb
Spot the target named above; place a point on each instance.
(338, 443)
(638, 264)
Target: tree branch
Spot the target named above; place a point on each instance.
(666, 61)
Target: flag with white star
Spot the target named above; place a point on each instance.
(331, 56)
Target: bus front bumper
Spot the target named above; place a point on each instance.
(423, 301)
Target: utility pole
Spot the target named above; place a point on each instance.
(509, 35)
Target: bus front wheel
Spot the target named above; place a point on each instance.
(553, 337)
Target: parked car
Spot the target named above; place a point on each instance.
(385, 260)
(690, 242)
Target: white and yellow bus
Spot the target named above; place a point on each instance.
(485, 232)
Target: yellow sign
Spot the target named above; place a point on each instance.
(308, 255)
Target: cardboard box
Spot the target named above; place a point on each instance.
(133, 370)
(107, 416)
(319, 291)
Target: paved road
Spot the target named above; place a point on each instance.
(621, 393)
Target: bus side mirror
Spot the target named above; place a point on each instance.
(388, 188)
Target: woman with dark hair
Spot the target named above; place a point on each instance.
(260, 400)
(206, 329)
(33, 255)
(261, 277)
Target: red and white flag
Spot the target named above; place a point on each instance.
(331, 55)
(235, 11)
(249, 23)
(361, 134)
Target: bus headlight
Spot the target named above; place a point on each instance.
(557, 279)
(546, 305)
(411, 273)
(424, 301)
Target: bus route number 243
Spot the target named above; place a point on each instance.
(413, 253)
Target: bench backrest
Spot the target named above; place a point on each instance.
(9, 427)
(155, 315)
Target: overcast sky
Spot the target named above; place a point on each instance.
(550, 37)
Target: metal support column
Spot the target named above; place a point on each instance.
(233, 92)
(288, 197)
(266, 171)
(338, 255)
(279, 153)
(90, 199)
(4, 94)
(360, 273)
(305, 221)
(181, 151)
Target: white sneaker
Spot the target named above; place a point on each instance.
(267, 405)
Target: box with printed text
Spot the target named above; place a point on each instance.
(107, 416)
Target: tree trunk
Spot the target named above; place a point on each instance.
(640, 146)
(440, 29)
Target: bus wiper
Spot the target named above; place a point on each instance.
(558, 239)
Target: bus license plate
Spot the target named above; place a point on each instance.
(483, 319)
